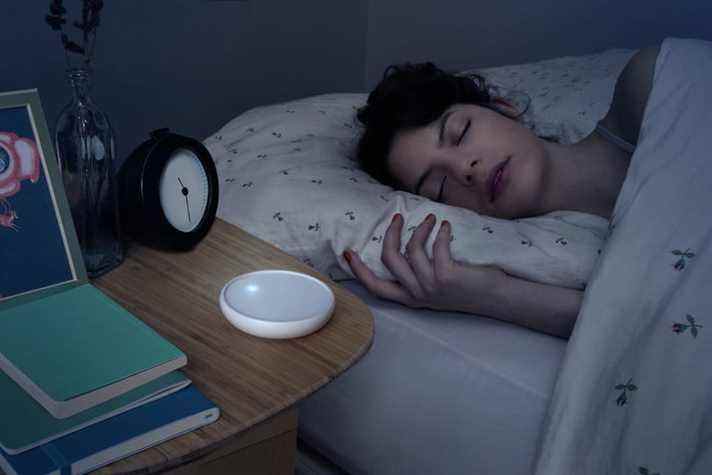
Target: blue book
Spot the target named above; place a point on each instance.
(117, 437)
(26, 424)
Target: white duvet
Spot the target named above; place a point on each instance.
(634, 395)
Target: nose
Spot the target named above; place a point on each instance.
(465, 171)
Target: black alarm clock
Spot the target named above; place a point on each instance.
(168, 192)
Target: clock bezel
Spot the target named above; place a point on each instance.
(153, 228)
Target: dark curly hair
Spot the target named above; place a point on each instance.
(409, 96)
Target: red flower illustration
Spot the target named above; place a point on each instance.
(19, 160)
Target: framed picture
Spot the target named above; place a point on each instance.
(39, 250)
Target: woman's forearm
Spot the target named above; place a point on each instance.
(546, 308)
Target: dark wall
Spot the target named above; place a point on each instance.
(191, 65)
(458, 34)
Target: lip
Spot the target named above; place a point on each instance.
(494, 192)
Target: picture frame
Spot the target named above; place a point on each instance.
(39, 249)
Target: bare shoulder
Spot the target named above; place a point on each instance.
(631, 95)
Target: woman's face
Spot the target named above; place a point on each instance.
(474, 158)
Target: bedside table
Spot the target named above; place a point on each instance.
(256, 382)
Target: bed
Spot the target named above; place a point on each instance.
(443, 392)
(438, 392)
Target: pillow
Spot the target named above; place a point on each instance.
(568, 95)
(288, 175)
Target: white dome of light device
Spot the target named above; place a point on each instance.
(277, 303)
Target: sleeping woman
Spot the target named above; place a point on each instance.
(445, 138)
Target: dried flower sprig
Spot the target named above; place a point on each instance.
(91, 14)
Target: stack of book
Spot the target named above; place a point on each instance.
(82, 381)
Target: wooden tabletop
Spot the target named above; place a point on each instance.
(249, 378)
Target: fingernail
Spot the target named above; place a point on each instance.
(395, 217)
(429, 218)
(347, 256)
(445, 226)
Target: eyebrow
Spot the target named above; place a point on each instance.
(441, 139)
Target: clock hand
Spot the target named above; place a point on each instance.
(184, 190)
(187, 207)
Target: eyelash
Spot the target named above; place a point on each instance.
(464, 131)
(439, 198)
(442, 182)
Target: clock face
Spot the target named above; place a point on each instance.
(183, 190)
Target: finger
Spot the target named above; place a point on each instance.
(416, 254)
(386, 289)
(395, 262)
(442, 259)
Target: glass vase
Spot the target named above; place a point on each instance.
(84, 141)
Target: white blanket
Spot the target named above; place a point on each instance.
(634, 395)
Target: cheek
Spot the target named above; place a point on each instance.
(464, 197)
(527, 180)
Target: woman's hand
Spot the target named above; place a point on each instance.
(440, 283)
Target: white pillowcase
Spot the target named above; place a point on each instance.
(569, 95)
(288, 175)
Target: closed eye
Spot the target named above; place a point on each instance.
(439, 199)
(464, 131)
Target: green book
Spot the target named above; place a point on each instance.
(62, 340)
(27, 425)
